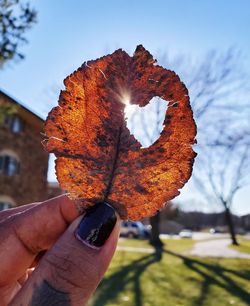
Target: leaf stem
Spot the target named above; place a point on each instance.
(111, 177)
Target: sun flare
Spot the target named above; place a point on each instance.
(125, 98)
(129, 108)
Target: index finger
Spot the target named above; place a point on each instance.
(25, 234)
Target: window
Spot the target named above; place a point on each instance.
(15, 123)
(9, 165)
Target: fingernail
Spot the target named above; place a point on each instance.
(97, 225)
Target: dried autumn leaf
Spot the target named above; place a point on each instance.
(97, 157)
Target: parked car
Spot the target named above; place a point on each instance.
(186, 233)
(215, 231)
(133, 229)
(218, 230)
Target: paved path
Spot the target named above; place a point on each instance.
(216, 248)
(135, 249)
(206, 248)
(196, 236)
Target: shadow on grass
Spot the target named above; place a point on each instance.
(222, 277)
(129, 274)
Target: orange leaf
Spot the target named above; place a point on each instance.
(97, 157)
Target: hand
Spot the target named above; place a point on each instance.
(50, 255)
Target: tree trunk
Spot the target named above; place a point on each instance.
(155, 240)
(230, 224)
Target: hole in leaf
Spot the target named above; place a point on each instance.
(146, 123)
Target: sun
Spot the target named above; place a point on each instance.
(129, 110)
(124, 97)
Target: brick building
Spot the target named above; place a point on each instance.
(23, 162)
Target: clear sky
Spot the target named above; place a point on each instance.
(70, 32)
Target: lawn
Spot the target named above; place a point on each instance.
(244, 246)
(173, 279)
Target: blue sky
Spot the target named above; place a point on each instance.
(70, 32)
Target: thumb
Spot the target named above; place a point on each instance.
(71, 270)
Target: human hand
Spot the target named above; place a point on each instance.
(76, 252)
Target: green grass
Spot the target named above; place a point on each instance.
(173, 279)
(244, 246)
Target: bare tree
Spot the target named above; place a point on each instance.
(222, 114)
(218, 88)
(225, 167)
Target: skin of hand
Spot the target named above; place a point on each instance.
(52, 256)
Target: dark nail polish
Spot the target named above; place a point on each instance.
(97, 225)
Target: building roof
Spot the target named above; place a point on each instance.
(14, 100)
(23, 111)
